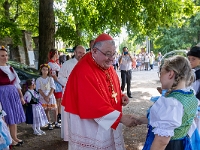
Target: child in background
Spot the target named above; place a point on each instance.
(45, 86)
(54, 69)
(194, 58)
(172, 115)
(35, 114)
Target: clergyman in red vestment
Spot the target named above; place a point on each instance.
(93, 100)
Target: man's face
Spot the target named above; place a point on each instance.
(125, 51)
(104, 55)
(79, 52)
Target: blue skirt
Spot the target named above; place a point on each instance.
(58, 87)
(11, 104)
(195, 140)
(179, 144)
(29, 114)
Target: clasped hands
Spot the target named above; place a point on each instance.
(131, 120)
(47, 99)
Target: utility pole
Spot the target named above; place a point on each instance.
(148, 46)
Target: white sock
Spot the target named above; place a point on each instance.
(38, 128)
(34, 128)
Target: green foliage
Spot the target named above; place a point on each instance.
(28, 16)
(78, 21)
(10, 29)
(62, 50)
(128, 43)
(16, 16)
(175, 38)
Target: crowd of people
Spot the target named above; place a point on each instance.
(86, 98)
(142, 61)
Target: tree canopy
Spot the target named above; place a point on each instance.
(83, 19)
(78, 21)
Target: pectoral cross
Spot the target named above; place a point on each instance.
(114, 95)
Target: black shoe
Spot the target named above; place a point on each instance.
(21, 142)
(59, 118)
(130, 96)
(50, 126)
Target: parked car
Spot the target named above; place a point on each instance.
(176, 52)
(24, 72)
(173, 53)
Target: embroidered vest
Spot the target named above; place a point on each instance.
(5, 79)
(190, 103)
(45, 87)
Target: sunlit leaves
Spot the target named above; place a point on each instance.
(10, 29)
(78, 21)
(22, 15)
(177, 37)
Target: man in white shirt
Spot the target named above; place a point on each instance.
(126, 62)
(63, 76)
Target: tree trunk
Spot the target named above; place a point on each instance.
(6, 6)
(46, 29)
(198, 37)
(78, 34)
(151, 45)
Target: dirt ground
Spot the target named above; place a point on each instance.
(143, 86)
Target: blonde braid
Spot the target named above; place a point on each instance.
(176, 81)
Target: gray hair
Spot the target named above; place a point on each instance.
(99, 44)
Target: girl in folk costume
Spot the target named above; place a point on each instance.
(35, 114)
(11, 97)
(167, 130)
(55, 68)
(45, 86)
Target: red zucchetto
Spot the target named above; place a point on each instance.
(103, 37)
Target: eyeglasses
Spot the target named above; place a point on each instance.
(107, 54)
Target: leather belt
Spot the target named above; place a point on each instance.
(126, 70)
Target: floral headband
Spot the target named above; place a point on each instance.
(44, 65)
(3, 48)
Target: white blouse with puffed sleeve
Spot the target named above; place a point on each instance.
(166, 115)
